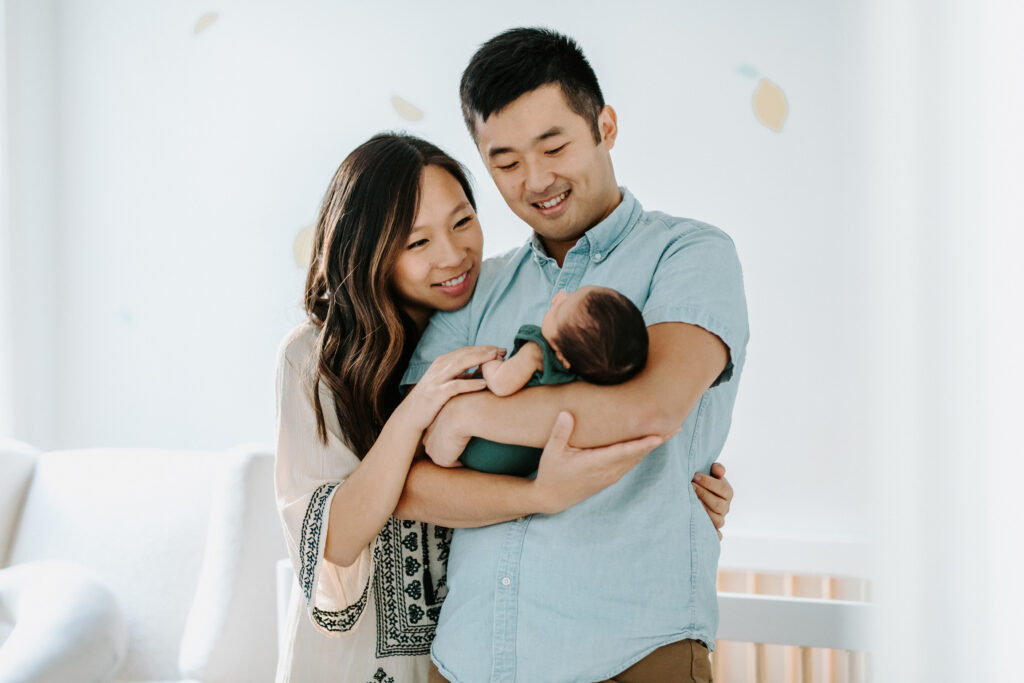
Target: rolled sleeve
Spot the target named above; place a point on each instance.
(699, 281)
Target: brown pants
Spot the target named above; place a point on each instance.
(686, 661)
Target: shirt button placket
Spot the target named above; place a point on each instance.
(503, 666)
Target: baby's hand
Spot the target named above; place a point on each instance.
(506, 377)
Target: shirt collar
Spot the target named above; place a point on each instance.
(604, 236)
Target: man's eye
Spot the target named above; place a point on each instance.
(556, 150)
(509, 167)
(417, 243)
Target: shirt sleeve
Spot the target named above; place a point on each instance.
(307, 474)
(699, 281)
(446, 332)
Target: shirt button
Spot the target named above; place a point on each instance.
(597, 256)
(506, 581)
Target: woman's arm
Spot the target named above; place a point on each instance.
(366, 499)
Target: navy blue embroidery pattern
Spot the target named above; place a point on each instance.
(408, 556)
(382, 677)
(342, 620)
(309, 548)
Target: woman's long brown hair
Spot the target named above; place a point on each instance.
(365, 337)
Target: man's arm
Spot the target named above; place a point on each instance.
(460, 497)
(683, 361)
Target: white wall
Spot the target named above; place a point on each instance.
(187, 164)
(30, 285)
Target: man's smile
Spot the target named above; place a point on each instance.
(553, 205)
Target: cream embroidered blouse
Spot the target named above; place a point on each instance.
(374, 620)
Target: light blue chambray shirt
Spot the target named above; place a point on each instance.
(584, 594)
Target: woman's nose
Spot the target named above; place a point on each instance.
(449, 252)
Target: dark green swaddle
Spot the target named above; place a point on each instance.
(502, 458)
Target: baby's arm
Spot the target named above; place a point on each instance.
(509, 376)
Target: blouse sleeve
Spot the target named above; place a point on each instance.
(307, 473)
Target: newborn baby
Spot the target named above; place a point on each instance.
(595, 334)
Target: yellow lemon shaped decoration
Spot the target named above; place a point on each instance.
(303, 246)
(770, 105)
(205, 22)
(407, 110)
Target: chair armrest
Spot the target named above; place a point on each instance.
(17, 464)
(285, 581)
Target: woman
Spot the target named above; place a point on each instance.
(396, 228)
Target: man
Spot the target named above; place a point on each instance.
(620, 586)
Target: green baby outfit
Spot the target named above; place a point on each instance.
(502, 458)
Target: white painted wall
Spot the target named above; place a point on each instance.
(186, 164)
(31, 288)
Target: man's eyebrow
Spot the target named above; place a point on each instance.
(549, 133)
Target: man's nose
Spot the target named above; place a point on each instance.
(538, 178)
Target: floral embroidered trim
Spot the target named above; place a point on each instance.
(309, 544)
(342, 620)
(409, 585)
(382, 677)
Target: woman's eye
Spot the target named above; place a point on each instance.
(464, 221)
(417, 243)
(556, 150)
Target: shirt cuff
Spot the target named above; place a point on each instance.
(701, 317)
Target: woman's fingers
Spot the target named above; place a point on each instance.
(713, 504)
(720, 491)
(463, 386)
(460, 360)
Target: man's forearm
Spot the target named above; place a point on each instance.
(462, 498)
(683, 362)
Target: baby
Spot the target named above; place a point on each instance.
(595, 334)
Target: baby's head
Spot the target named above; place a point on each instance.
(597, 333)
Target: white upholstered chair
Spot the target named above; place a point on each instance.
(185, 542)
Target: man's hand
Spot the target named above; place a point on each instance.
(715, 493)
(568, 475)
(444, 440)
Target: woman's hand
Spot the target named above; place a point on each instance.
(446, 377)
(568, 475)
(715, 493)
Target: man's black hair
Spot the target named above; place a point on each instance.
(609, 344)
(520, 60)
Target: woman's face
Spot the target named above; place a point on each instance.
(440, 264)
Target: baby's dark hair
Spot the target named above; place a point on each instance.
(609, 345)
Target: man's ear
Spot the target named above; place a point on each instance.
(608, 124)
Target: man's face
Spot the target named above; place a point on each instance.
(551, 173)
